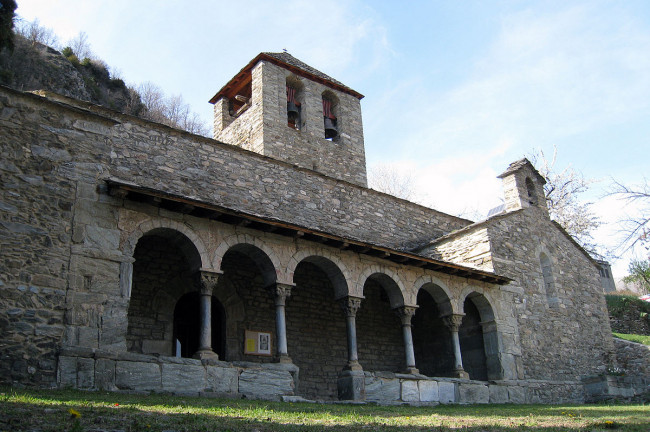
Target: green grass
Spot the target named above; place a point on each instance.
(56, 410)
(644, 339)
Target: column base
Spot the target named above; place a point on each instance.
(205, 354)
(412, 371)
(351, 385)
(284, 359)
(460, 373)
(353, 366)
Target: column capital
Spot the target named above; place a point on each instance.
(405, 313)
(453, 321)
(281, 292)
(350, 305)
(208, 281)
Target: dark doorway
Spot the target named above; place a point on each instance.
(472, 346)
(187, 326)
(434, 354)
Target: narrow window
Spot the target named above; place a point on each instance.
(549, 283)
(530, 188)
(330, 121)
(293, 109)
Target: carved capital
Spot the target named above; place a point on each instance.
(405, 313)
(208, 281)
(281, 293)
(453, 321)
(350, 305)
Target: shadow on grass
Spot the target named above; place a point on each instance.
(42, 410)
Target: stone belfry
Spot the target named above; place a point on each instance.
(282, 108)
(523, 186)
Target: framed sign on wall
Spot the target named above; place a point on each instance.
(257, 343)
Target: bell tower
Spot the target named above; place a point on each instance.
(523, 186)
(283, 108)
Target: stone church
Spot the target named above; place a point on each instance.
(137, 257)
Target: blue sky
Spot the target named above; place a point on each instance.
(455, 90)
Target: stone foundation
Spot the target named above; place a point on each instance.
(389, 388)
(97, 370)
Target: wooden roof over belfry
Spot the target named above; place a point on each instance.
(286, 61)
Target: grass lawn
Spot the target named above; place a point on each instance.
(67, 410)
(644, 339)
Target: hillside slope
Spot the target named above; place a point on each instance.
(33, 66)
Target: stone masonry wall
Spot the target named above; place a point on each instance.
(155, 156)
(565, 335)
(471, 248)
(262, 128)
(342, 158)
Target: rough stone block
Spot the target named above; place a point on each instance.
(428, 391)
(105, 374)
(88, 337)
(473, 393)
(447, 392)
(183, 378)
(265, 383)
(517, 395)
(137, 376)
(498, 394)
(222, 380)
(102, 238)
(67, 371)
(410, 391)
(85, 373)
(382, 389)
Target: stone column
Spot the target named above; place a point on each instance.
(208, 281)
(351, 382)
(350, 307)
(453, 323)
(281, 292)
(405, 314)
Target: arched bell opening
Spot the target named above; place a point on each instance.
(165, 268)
(187, 324)
(380, 342)
(245, 290)
(294, 89)
(479, 339)
(316, 328)
(331, 116)
(432, 340)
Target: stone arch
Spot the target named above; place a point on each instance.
(392, 283)
(439, 291)
(479, 337)
(201, 259)
(164, 268)
(264, 256)
(329, 263)
(432, 340)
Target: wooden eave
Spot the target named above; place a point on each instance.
(245, 74)
(200, 209)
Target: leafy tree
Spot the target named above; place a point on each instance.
(7, 8)
(563, 190)
(639, 275)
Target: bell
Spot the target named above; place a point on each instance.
(330, 128)
(292, 111)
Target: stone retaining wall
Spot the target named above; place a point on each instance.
(99, 370)
(633, 357)
(388, 388)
